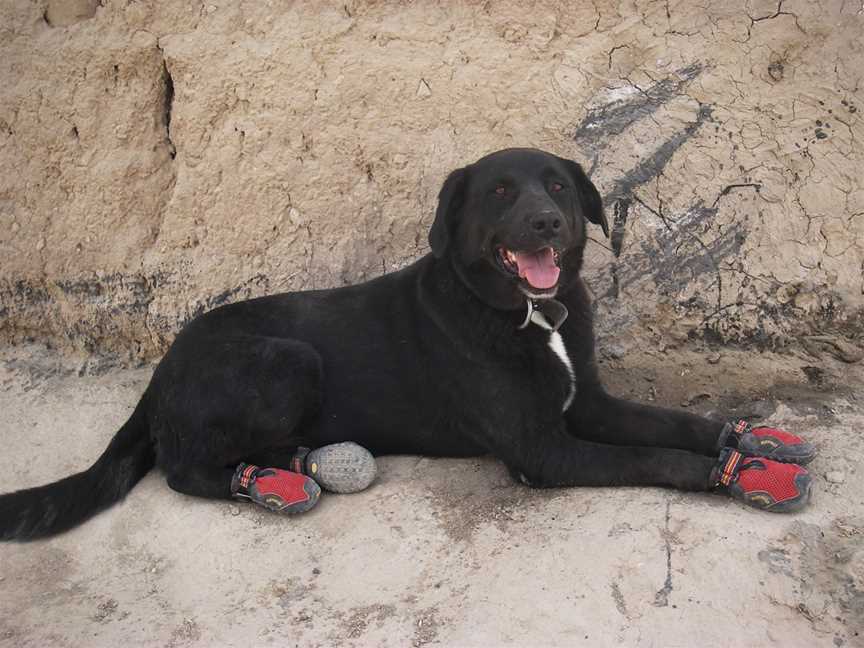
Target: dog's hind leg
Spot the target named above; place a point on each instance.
(277, 457)
(278, 490)
(214, 483)
(221, 401)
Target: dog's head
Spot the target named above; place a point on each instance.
(513, 224)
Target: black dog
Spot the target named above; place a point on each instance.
(468, 351)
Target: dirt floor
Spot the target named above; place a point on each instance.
(447, 552)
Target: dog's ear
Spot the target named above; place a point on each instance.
(592, 203)
(450, 201)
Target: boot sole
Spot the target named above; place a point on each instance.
(342, 467)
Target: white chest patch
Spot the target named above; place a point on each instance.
(557, 346)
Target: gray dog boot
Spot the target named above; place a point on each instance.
(339, 467)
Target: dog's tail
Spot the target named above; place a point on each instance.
(47, 510)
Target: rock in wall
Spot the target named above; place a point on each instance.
(157, 159)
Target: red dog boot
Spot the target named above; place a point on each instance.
(767, 442)
(281, 491)
(762, 483)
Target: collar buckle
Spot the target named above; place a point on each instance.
(548, 314)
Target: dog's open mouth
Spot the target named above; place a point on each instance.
(540, 268)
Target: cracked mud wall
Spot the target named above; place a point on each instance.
(157, 162)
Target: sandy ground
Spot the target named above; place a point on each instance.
(445, 552)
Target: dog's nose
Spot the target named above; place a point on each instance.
(545, 222)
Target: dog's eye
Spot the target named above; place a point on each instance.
(500, 190)
(556, 187)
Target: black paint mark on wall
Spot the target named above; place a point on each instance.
(613, 118)
(651, 167)
(622, 208)
(610, 120)
(678, 256)
(111, 312)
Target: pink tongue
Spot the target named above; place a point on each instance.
(538, 268)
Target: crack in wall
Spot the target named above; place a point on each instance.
(167, 103)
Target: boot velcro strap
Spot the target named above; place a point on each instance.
(298, 461)
(742, 427)
(248, 475)
(243, 478)
(727, 472)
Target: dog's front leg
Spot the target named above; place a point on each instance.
(597, 416)
(676, 448)
(552, 457)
